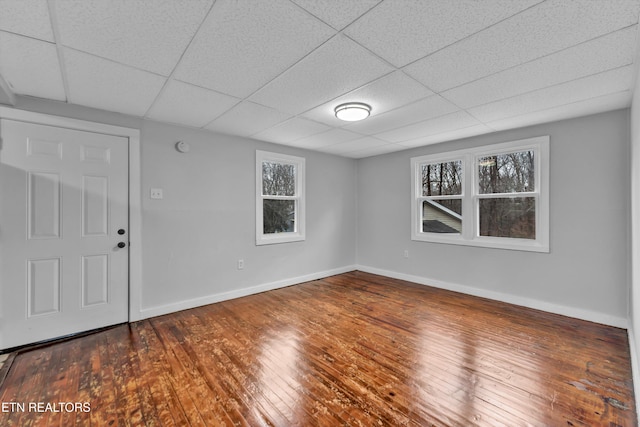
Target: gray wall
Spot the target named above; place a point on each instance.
(587, 267)
(193, 237)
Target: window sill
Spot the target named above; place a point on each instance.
(486, 242)
(272, 239)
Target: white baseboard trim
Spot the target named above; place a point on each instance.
(635, 368)
(577, 313)
(224, 296)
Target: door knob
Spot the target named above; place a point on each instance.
(122, 245)
(121, 231)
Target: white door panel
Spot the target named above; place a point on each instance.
(63, 198)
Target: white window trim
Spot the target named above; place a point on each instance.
(299, 197)
(470, 197)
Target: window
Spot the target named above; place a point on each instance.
(494, 196)
(441, 196)
(279, 198)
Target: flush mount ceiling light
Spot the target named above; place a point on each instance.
(352, 111)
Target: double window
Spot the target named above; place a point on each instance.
(280, 198)
(493, 196)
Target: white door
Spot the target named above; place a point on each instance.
(64, 261)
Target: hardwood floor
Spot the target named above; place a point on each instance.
(350, 350)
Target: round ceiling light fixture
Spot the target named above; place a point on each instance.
(352, 111)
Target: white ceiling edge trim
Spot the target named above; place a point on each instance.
(634, 82)
(6, 94)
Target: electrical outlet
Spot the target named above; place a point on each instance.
(406, 253)
(240, 264)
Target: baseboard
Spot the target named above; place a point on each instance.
(577, 313)
(237, 293)
(635, 368)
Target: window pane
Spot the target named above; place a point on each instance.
(508, 217)
(278, 179)
(442, 216)
(278, 216)
(507, 173)
(442, 179)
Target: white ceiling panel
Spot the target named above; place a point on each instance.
(291, 130)
(146, 34)
(364, 143)
(457, 120)
(432, 70)
(100, 83)
(331, 137)
(391, 91)
(189, 105)
(337, 67)
(613, 50)
(245, 44)
(594, 86)
(247, 118)
(424, 109)
(26, 17)
(448, 135)
(403, 31)
(31, 67)
(536, 32)
(374, 151)
(601, 104)
(337, 13)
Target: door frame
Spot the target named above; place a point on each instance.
(135, 190)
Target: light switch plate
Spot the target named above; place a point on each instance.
(156, 193)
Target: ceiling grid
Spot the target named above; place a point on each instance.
(432, 71)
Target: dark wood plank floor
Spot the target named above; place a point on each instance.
(350, 350)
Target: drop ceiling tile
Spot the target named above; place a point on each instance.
(31, 67)
(582, 89)
(363, 143)
(26, 17)
(100, 83)
(146, 34)
(337, 67)
(451, 135)
(291, 130)
(457, 120)
(391, 91)
(331, 137)
(189, 105)
(245, 44)
(337, 13)
(424, 109)
(403, 31)
(374, 151)
(536, 32)
(246, 119)
(610, 102)
(607, 52)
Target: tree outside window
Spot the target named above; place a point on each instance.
(279, 198)
(493, 196)
(512, 177)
